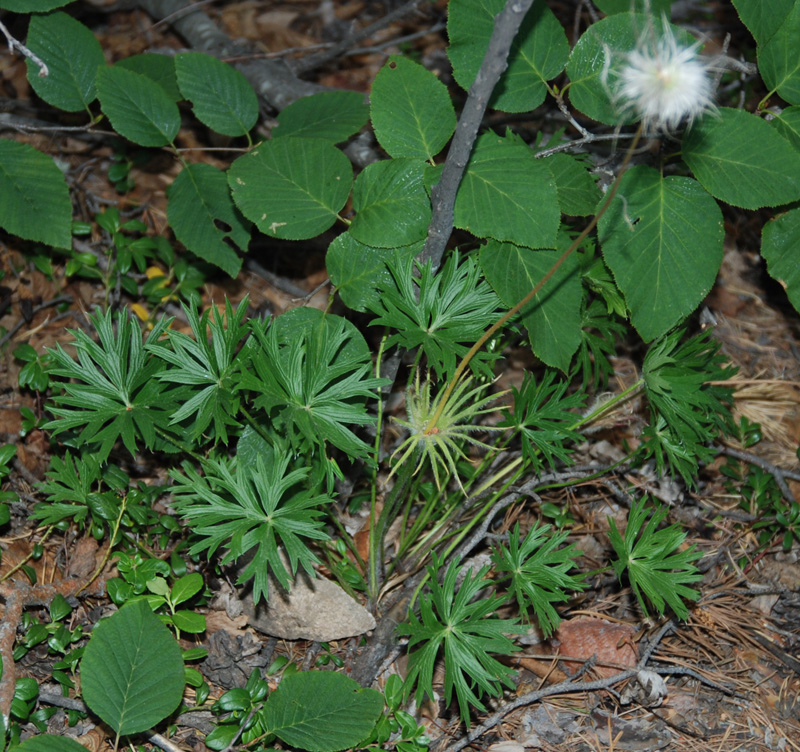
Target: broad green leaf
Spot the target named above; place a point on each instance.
(662, 239)
(33, 188)
(186, 587)
(787, 123)
(553, 317)
(32, 6)
(656, 7)
(158, 68)
(778, 61)
(411, 110)
(49, 743)
(763, 19)
(330, 115)
(391, 204)
(72, 55)
(358, 271)
(780, 246)
(132, 670)
(720, 151)
(200, 205)
(321, 711)
(221, 96)
(538, 53)
(292, 188)
(139, 111)
(507, 194)
(578, 192)
(594, 63)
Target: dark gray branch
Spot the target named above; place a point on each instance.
(506, 26)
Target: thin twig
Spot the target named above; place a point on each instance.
(15, 44)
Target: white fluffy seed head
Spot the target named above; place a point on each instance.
(663, 82)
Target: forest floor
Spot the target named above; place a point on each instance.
(736, 682)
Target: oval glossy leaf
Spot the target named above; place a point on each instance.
(780, 246)
(778, 61)
(538, 53)
(553, 317)
(507, 194)
(578, 192)
(49, 743)
(391, 204)
(321, 711)
(221, 97)
(186, 587)
(720, 152)
(158, 68)
(72, 55)
(132, 670)
(204, 218)
(32, 187)
(411, 110)
(662, 239)
(331, 115)
(358, 271)
(138, 110)
(292, 188)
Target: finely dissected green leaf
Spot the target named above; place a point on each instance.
(442, 313)
(330, 115)
(778, 61)
(200, 205)
(221, 97)
(132, 671)
(207, 363)
(411, 110)
(314, 383)
(32, 187)
(578, 192)
(763, 19)
(543, 415)
(655, 571)
(391, 204)
(720, 151)
(359, 271)
(322, 711)
(71, 491)
(780, 246)
(553, 317)
(454, 621)
(507, 194)
(138, 110)
(600, 329)
(292, 188)
(32, 6)
(49, 742)
(598, 55)
(787, 123)
(158, 68)
(537, 569)
(538, 53)
(662, 239)
(265, 507)
(72, 55)
(111, 391)
(656, 7)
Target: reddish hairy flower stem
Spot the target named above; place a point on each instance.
(612, 192)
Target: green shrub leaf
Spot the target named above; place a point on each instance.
(221, 96)
(787, 123)
(719, 150)
(507, 194)
(656, 7)
(321, 711)
(763, 19)
(330, 115)
(777, 63)
(578, 193)
(780, 241)
(139, 111)
(391, 204)
(292, 188)
(538, 53)
(411, 110)
(72, 54)
(651, 237)
(32, 187)
(49, 743)
(32, 6)
(132, 670)
(200, 205)
(553, 317)
(158, 68)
